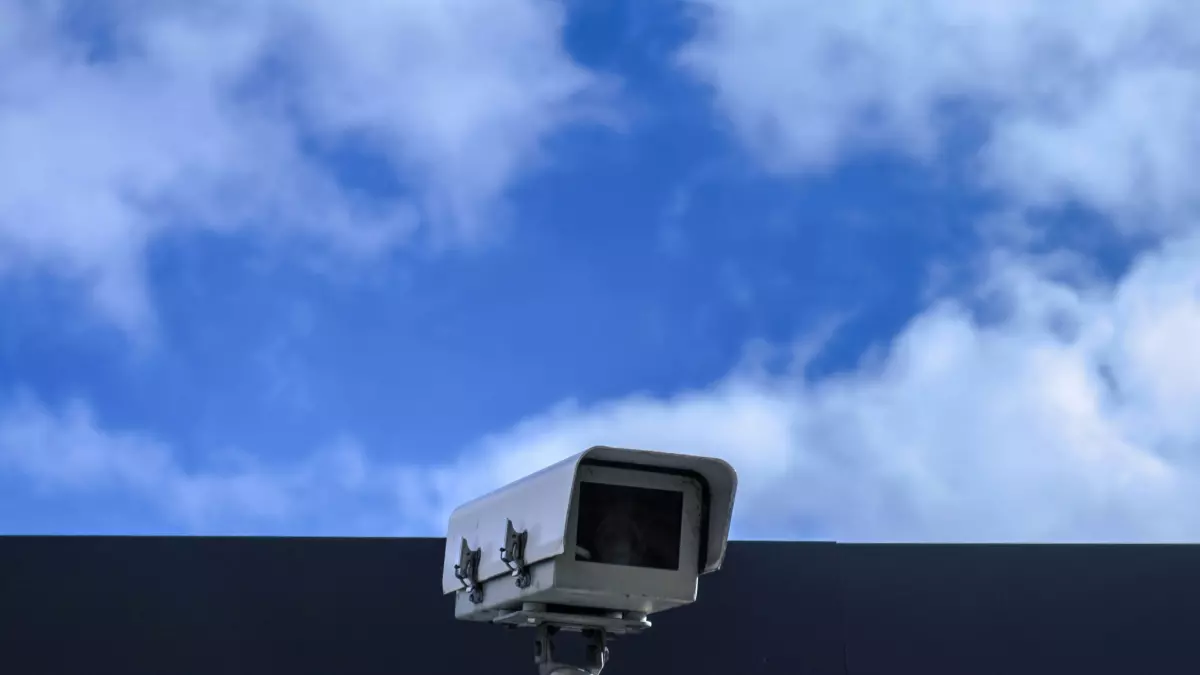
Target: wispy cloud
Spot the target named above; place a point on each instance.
(1067, 416)
(1075, 100)
(333, 488)
(1063, 418)
(1070, 420)
(203, 116)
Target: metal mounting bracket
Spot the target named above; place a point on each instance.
(512, 554)
(467, 571)
(597, 652)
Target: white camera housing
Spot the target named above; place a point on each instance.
(599, 540)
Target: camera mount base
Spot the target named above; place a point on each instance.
(596, 627)
(535, 615)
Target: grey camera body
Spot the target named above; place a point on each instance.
(599, 540)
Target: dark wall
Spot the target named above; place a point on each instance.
(349, 606)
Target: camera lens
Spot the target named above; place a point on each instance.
(626, 525)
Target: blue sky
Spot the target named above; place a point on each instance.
(919, 273)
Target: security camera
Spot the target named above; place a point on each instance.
(593, 544)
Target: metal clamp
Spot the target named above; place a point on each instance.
(597, 652)
(467, 571)
(512, 554)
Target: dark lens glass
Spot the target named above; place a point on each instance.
(625, 525)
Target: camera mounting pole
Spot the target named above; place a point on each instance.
(597, 652)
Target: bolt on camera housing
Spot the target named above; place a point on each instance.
(595, 543)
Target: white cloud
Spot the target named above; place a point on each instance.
(195, 116)
(1069, 418)
(1072, 420)
(1018, 430)
(1078, 100)
(67, 452)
